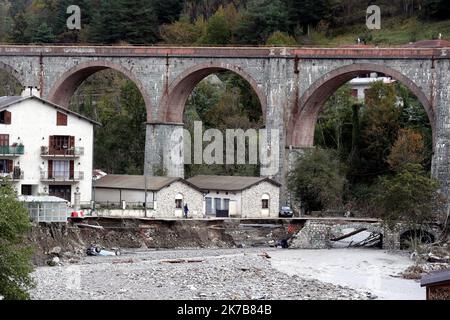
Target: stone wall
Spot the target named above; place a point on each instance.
(252, 200)
(165, 201)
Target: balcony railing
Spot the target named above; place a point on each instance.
(69, 152)
(62, 176)
(14, 176)
(12, 150)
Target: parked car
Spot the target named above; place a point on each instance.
(286, 212)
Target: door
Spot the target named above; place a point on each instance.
(64, 192)
(209, 208)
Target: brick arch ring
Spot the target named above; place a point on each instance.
(11, 71)
(173, 102)
(64, 88)
(303, 118)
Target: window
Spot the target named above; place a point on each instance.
(179, 201)
(5, 117)
(6, 166)
(265, 201)
(61, 169)
(4, 140)
(61, 145)
(61, 119)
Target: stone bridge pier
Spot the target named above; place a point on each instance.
(292, 85)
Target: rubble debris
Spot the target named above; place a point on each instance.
(84, 225)
(123, 261)
(265, 255)
(174, 261)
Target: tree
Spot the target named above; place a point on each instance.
(183, 31)
(279, 38)
(44, 34)
(318, 180)
(260, 20)
(306, 13)
(410, 196)
(379, 128)
(407, 149)
(218, 29)
(15, 257)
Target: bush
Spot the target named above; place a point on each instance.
(410, 196)
(318, 180)
(15, 258)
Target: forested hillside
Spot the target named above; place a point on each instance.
(221, 22)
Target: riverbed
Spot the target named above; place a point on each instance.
(232, 274)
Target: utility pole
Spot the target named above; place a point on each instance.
(145, 190)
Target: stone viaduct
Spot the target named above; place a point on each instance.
(292, 85)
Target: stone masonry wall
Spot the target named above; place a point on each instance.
(165, 199)
(252, 200)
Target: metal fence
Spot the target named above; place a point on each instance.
(12, 150)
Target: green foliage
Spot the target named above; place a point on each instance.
(223, 101)
(15, 258)
(260, 20)
(318, 180)
(44, 34)
(410, 196)
(279, 38)
(218, 29)
(120, 141)
(379, 127)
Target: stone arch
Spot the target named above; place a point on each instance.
(303, 119)
(174, 99)
(64, 88)
(11, 71)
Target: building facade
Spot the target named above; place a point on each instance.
(241, 197)
(147, 197)
(45, 149)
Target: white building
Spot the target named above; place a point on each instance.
(146, 197)
(360, 85)
(234, 196)
(45, 149)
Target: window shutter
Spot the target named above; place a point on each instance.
(72, 169)
(50, 169)
(71, 142)
(61, 119)
(8, 117)
(10, 166)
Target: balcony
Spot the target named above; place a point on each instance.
(15, 176)
(47, 152)
(12, 151)
(62, 176)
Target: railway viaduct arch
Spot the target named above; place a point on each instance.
(292, 85)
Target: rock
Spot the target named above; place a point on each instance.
(53, 262)
(55, 251)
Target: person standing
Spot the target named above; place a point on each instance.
(186, 210)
